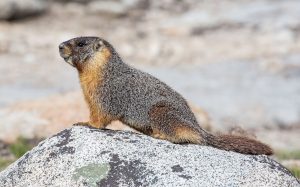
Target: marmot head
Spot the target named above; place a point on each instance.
(83, 52)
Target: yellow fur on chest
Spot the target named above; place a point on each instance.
(91, 78)
(90, 82)
(89, 89)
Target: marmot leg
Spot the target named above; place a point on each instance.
(97, 120)
(166, 124)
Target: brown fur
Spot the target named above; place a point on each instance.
(159, 135)
(178, 135)
(158, 110)
(239, 144)
(170, 128)
(90, 78)
(187, 134)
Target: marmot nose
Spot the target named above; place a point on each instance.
(61, 46)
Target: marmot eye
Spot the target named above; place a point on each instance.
(81, 44)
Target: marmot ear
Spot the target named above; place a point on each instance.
(98, 45)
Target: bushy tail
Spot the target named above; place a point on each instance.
(239, 144)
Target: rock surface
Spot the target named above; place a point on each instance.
(82, 156)
(14, 9)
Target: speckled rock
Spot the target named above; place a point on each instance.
(83, 156)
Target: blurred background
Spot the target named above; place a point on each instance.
(237, 62)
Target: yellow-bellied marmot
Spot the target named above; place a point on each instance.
(114, 90)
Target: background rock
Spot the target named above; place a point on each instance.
(15, 9)
(70, 1)
(110, 8)
(117, 8)
(82, 156)
(43, 117)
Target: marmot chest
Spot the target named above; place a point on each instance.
(90, 85)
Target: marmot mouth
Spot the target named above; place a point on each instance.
(69, 60)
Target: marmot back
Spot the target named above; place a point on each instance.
(114, 90)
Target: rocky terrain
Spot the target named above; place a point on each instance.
(92, 157)
(237, 60)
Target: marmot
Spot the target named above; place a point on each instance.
(114, 90)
